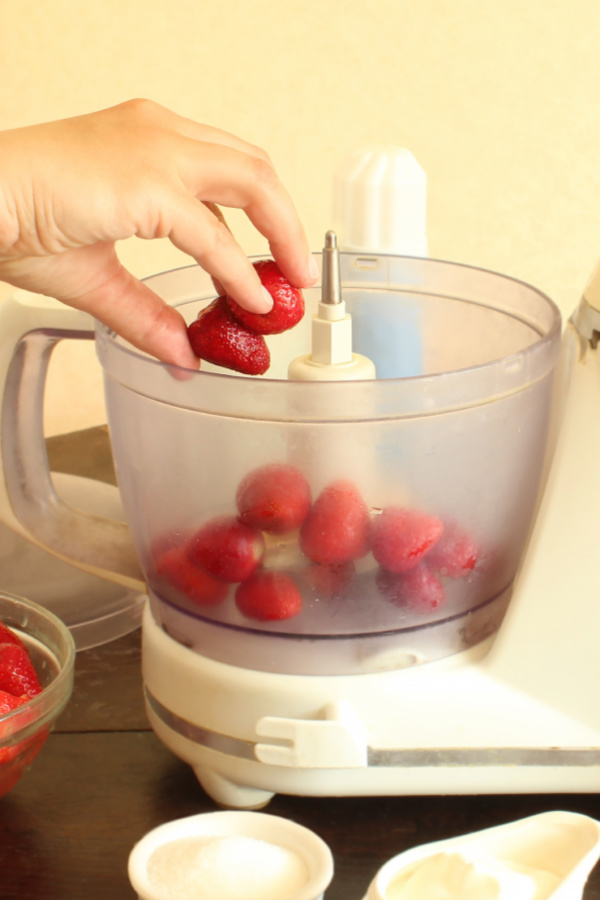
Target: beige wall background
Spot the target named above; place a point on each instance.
(499, 100)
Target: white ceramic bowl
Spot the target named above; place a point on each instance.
(273, 830)
(564, 843)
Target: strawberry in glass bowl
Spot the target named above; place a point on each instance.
(37, 656)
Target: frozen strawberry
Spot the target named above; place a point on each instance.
(288, 302)
(329, 582)
(336, 530)
(401, 537)
(227, 549)
(269, 596)
(9, 702)
(8, 636)
(418, 588)
(274, 498)
(454, 555)
(175, 566)
(17, 674)
(219, 338)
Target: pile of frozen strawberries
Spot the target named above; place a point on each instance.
(414, 550)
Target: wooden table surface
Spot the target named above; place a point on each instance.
(103, 780)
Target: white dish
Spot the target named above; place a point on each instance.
(274, 830)
(565, 844)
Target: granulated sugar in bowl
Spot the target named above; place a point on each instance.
(231, 868)
(231, 856)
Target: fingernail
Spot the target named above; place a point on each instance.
(268, 305)
(313, 267)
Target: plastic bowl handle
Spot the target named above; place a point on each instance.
(30, 327)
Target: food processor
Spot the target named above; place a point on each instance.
(464, 670)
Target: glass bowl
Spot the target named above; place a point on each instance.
(24, 730)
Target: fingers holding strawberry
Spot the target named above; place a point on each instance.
(226, 334)
(288, 302)
(217, 337)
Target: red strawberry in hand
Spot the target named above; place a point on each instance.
(175, 566)
(219, 338)
(269, 596)
(17, 675)
(274, 498)
(288, 302)
(401, 537)
(336, 530)
(227, 549)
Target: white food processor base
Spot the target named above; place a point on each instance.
(441, 728)
(517, 713)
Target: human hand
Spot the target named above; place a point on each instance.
(69, 190)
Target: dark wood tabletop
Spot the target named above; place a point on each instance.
(103, 780)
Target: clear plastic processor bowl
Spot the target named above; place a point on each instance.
(454, 430)
(462, 439)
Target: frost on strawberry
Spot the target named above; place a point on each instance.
(288, 302)
(228, 335)
(219, 338)
(402, 537)
(227, 549)
(455, 554)
(274, 498)
(329, 582)
(336, 530)
(269, 597)
(418, 588)
(176, 568)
